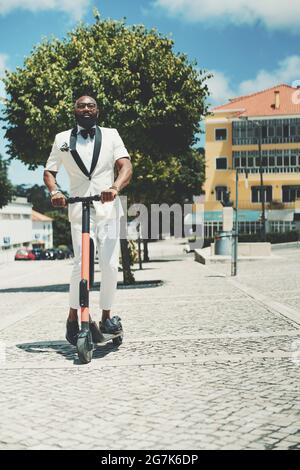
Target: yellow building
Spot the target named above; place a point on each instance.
(233, 132)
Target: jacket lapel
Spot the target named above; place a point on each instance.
(96, 153)
(97, 149)
(75, 154)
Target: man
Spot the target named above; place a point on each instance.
(90, 154)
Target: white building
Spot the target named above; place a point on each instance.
(42, 232)
(21, 226)
(15, 227)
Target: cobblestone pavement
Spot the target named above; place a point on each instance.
(208, 362)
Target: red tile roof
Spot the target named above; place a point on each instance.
(37, 217)
(262, 103)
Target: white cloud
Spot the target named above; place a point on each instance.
(3, 66)
(3, 63)
(75, 8)
(274, 14)
(220, 88)
(287, 71)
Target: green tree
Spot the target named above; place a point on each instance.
(172, 180)
(37, 195)
(61, 228)
(154, 96)
(6, 188)
(39, 198)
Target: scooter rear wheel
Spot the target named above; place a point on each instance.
(85, 347)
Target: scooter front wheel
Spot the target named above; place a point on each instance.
(118, 340)
(85, 347)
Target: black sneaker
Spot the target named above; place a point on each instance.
(72, 332)
(111, 326)
(97, 336)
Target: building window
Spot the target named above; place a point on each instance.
(221, 163)
(211, 228)
(221, 134)
(237, 162)
(279, 130)
(264, 161)
(273, 161)
(256, 193)
(220, 192)
(264, 132)
(249, 227)
(293, 160)
(286, 130)
(281, 226)
(243, 162)
(273, 131)
(290, 193)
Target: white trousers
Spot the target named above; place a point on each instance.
(106, 237)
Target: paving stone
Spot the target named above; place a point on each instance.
(230, 382)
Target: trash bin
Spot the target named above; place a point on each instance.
(223, 242)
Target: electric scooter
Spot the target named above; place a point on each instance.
(85, 345)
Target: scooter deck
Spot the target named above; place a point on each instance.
(108, 337)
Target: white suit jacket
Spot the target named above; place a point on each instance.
(108, 148)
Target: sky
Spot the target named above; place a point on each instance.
(248, 46)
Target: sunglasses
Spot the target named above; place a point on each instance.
(84, 105)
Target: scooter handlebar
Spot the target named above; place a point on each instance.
(72, 200)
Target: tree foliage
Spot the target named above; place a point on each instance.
(6, 188)
(170, 180)
(152, 95)
(61, 228)
(39, 198)
(37, 195)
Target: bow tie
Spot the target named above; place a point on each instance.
(86, 132)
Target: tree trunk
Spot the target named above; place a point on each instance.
(146, 252)
(128, 277)
(146, 236)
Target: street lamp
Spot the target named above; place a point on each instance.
(234, 231)
(258, 124)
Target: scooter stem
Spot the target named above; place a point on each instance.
(85, 266)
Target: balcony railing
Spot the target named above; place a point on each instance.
(269, 140)
(256, 206)
(268, 170)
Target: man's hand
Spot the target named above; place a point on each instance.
(108, 195)
(59, 200)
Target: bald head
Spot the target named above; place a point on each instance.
(86, 111)
(85, 99)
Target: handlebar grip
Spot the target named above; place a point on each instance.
(72, 200)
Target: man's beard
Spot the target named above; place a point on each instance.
(86, 122)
